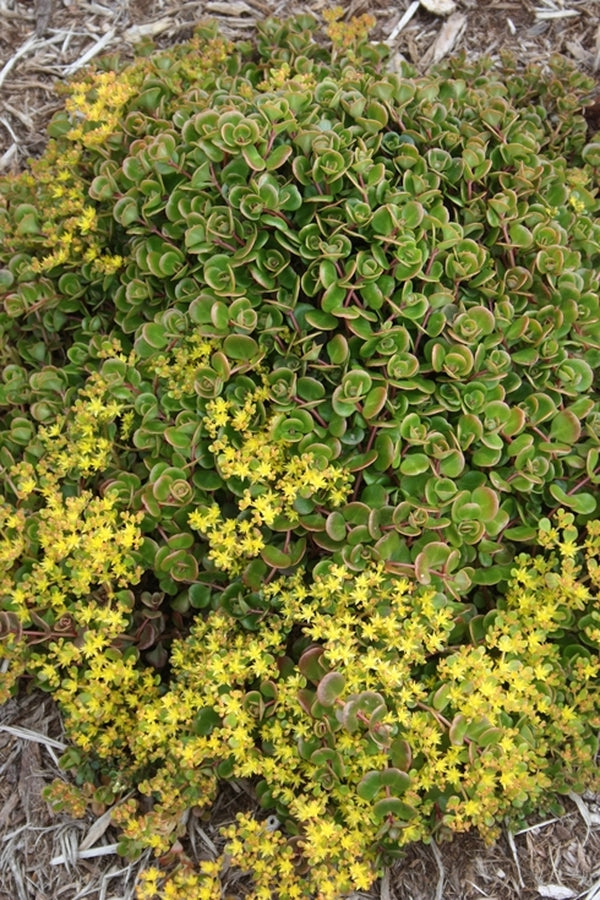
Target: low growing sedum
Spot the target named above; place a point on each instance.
(300, 449)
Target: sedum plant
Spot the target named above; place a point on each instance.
(300, 448)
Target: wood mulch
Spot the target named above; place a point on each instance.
(44, 856)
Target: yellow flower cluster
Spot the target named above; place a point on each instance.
(12, 537)
(231, 543)
(83, 552)
(70, 222)
(82, 542)
(237, 700)
(182, 884)
(179, 368)
(100, 108)
(214, 668)
(102, 698)
(96, 104)
(83, 441)
(281, 78)
(276, 476)
(347, 34)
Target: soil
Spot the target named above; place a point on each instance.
(42, 42)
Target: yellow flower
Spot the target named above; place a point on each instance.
(87, 220)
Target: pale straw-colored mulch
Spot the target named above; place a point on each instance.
(44, 856)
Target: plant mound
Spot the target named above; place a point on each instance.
(300, 448)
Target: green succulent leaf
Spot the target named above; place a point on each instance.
(392, 807)
(330, 687)
(276, 558)
(581, 502)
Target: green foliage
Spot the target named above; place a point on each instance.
(301, 427)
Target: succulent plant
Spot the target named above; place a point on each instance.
(282, 327)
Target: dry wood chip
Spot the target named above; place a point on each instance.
(594, 893)
(7, 809)
(513, 849)
(43, 14)
(96, 831)
(439, 889)
(22, 51)
(29, 735)
(236, 8)
(537, 827)
(403, 21)
(555, 892)
(583, 811)
(89, 54)
(147, 29)
(582, 863)
(439, 7)
(6, 124)
(30, 783)
(94, 852)
(385, 887)
(20, 115)
(556, 13)
(577, 51)
(446, 39)
(101, 10)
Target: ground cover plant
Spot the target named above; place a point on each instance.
(301, 446)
